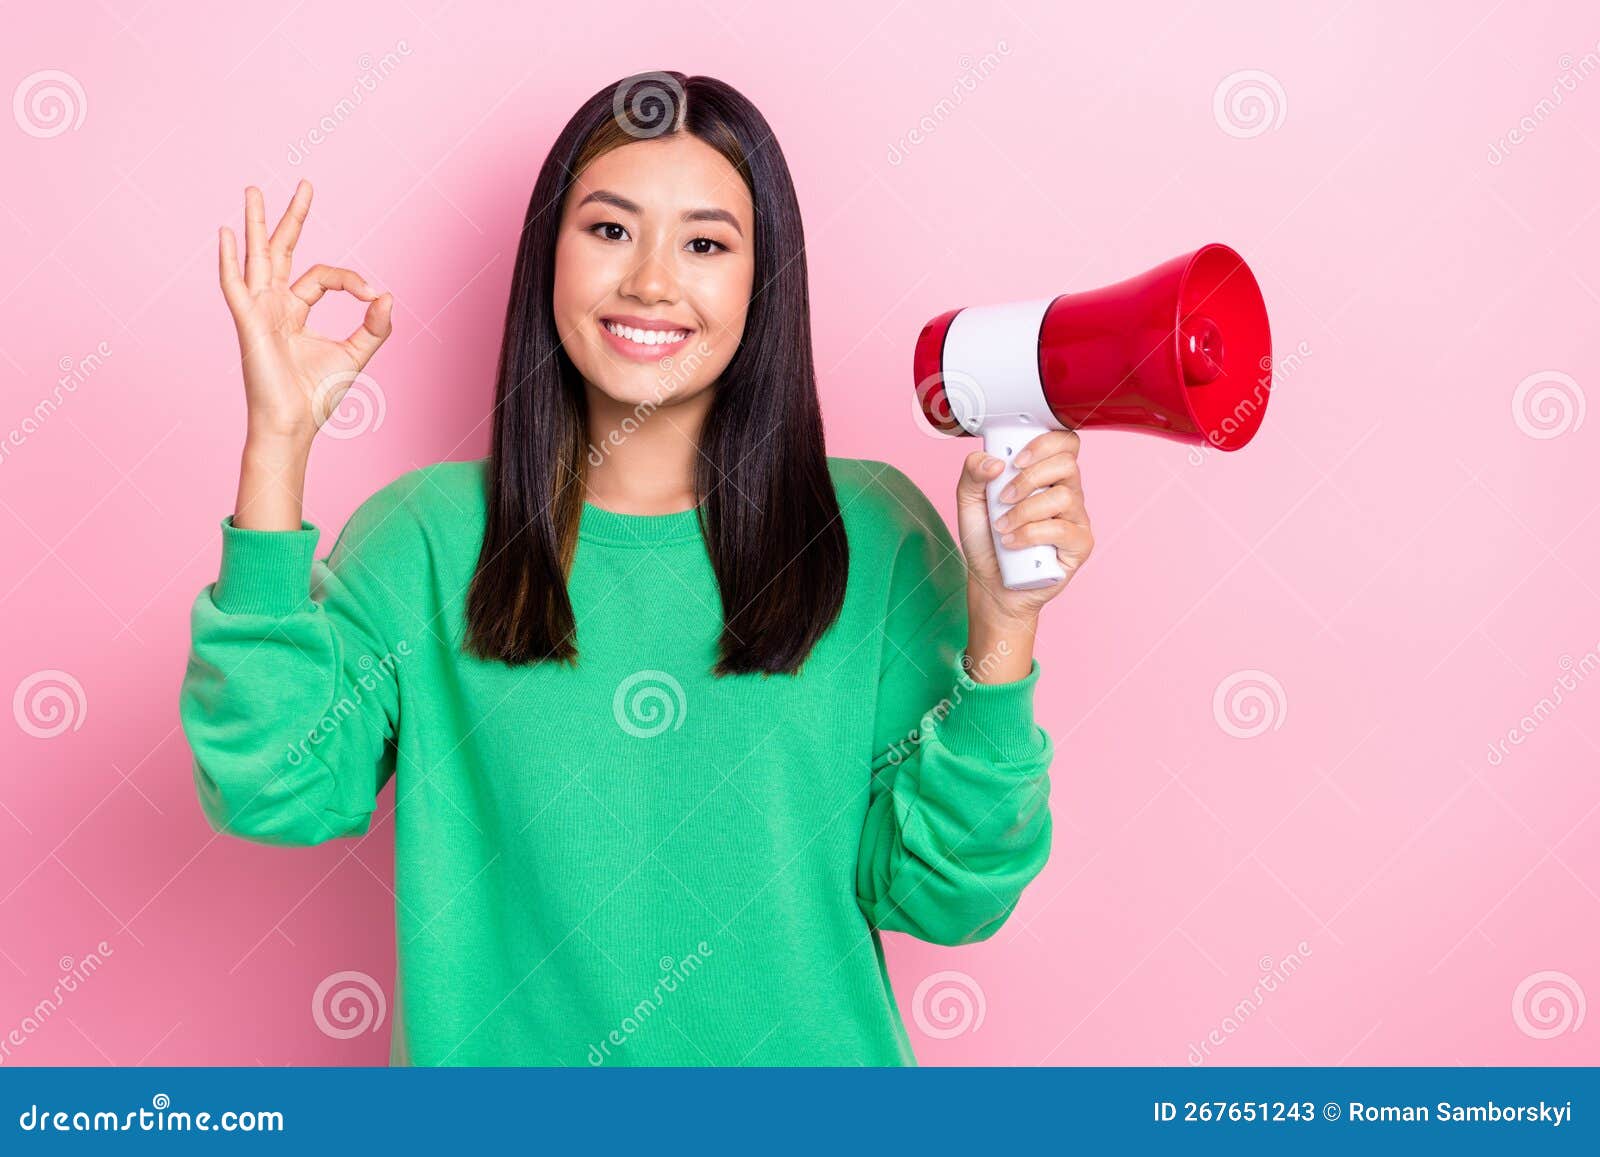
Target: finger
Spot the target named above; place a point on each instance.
(1053, 502)
(1073, 543)
(1059, 469)
(1050, 442)
(257, 266)
(287, 233)
(233, 287)
(373, 331)
(1074, 547)
(977, 472)
(317, 280)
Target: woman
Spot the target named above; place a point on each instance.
(675, 704)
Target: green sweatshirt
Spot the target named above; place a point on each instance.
(626, 862)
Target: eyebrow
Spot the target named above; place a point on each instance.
(605, 196)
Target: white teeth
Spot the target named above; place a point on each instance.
(646, 336)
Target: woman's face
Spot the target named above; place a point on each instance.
(654, 265)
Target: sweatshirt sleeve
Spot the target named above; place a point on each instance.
(291, 698)
(958, 819)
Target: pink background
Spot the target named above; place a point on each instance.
(1397, 570)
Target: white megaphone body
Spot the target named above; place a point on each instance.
(1183, 351)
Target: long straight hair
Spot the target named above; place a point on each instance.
(765, 499)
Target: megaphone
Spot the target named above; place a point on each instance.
(1182, 351)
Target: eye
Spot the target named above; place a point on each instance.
(716, 245)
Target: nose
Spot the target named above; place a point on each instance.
(652, 279)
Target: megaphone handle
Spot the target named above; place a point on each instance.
(1022, 568)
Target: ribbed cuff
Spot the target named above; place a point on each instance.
(993, 721)
(265, 572)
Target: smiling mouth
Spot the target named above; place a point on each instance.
(645, 339)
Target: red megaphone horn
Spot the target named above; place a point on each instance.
(1182, 351)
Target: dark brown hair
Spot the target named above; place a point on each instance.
(767, 505)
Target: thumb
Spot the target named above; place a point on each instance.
(973, 528)
(976, 473)
(374, 329)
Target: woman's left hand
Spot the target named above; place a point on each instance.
(1055, 515)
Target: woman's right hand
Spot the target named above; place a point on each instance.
(293, 377)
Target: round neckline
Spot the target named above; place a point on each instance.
(597, 524)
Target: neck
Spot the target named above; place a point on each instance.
(641, 459)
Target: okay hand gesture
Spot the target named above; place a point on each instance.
(293, 377)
